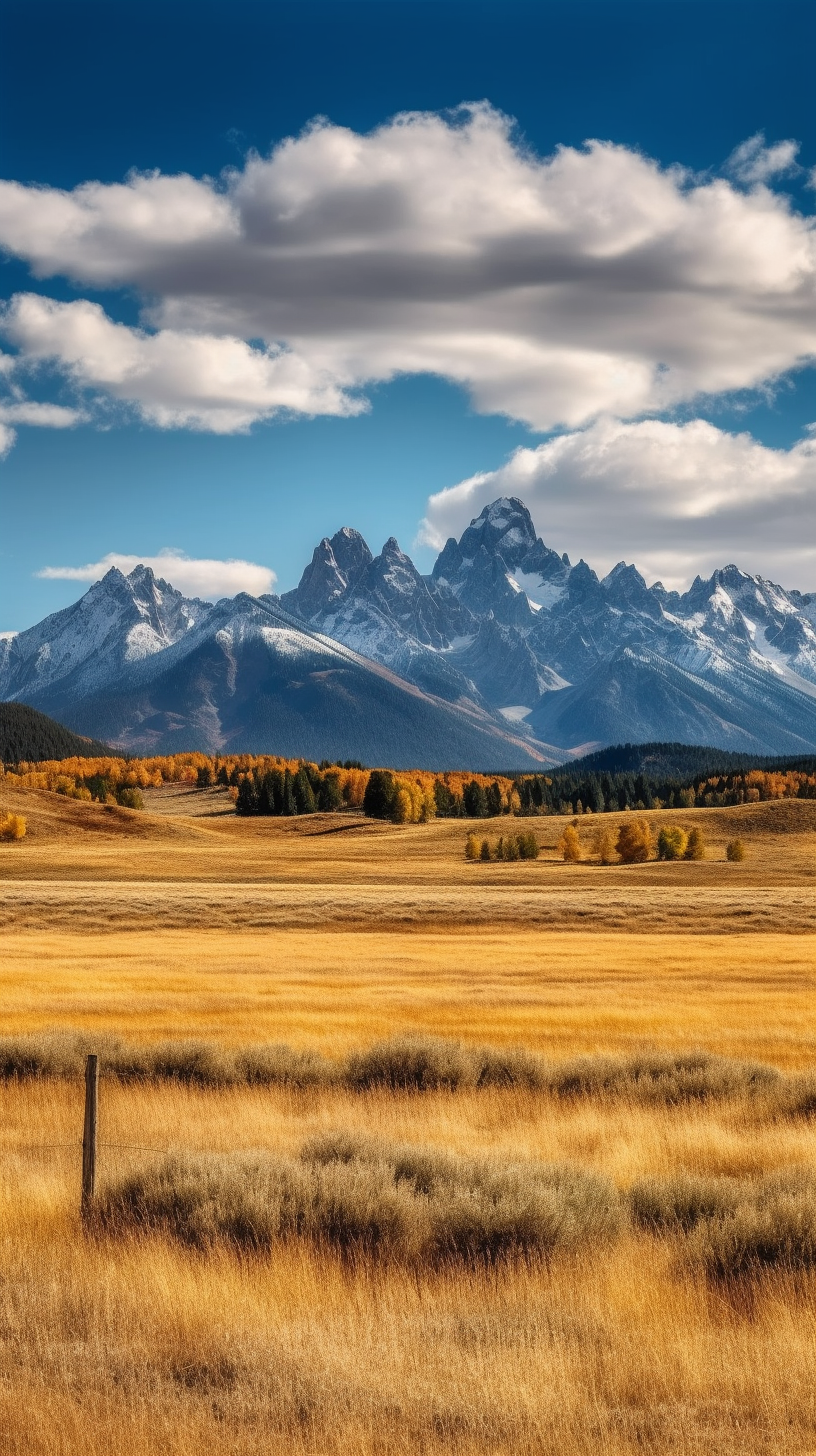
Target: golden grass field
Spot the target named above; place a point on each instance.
(330, 932)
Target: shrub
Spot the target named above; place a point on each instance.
(419, 1064)
(695, 848)
(672, 842)
(363, 1196)
(416, 1062)
(569, 844)
(735, 1226)
(634, 843)
(484, 852)
(12, 827)
(662, 1077)
(471, 847)
(47, 1054)
(509, 1067)
(794, 1096)
(735, 851)
(527, 845)
(283, 1066)
(62, 1054)
(777, 1230)
(683, 1201)
(130, 799)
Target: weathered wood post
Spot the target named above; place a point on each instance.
(89, 1133)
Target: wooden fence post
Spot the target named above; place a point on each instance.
(89, 1133)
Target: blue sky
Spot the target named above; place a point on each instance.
(671, 435)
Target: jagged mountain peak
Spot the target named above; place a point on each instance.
(504, 526)
(623, 571)
(625, 588)
(351, 552)
(393, 551)
(582, 581)
(334, 570)
(321, 586)
(500, 564)
(504, 628)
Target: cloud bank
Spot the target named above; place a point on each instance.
(676, 499)
(194, 577)
(557, 290)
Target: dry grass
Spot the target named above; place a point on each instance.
(560, 993)
(139, 1344)
(131, 1341)
(118, 869)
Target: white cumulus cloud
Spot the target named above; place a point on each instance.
(673, 498)
(557, 290)
(201, 381)
(196, 577)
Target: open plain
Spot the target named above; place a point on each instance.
(328, 933)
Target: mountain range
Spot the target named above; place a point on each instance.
(505, 656)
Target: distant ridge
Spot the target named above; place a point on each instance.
(28, 736)
(681, 759)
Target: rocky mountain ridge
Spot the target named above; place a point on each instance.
(505, 620)
(506, 654)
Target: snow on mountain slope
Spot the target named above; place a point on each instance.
(639, 697)
(121, 620)
(503, 632)
(249, 679)
(534, 624)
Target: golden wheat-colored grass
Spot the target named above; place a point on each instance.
(331, 933)
(558, 992)
(112, 1344)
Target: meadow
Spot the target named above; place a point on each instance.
(146, 1334)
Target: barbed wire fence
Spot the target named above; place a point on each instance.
(87, 1148)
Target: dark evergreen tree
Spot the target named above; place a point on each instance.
(475, 801)
(288, 806)
(493, 795)
(593, 797)
(330, 796)
(444, 799)
(303, 793)
(247, 801)
(380, 795)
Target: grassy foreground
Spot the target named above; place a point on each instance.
(618, 1338)
(132, 1339)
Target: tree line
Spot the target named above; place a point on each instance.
(265, 784)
